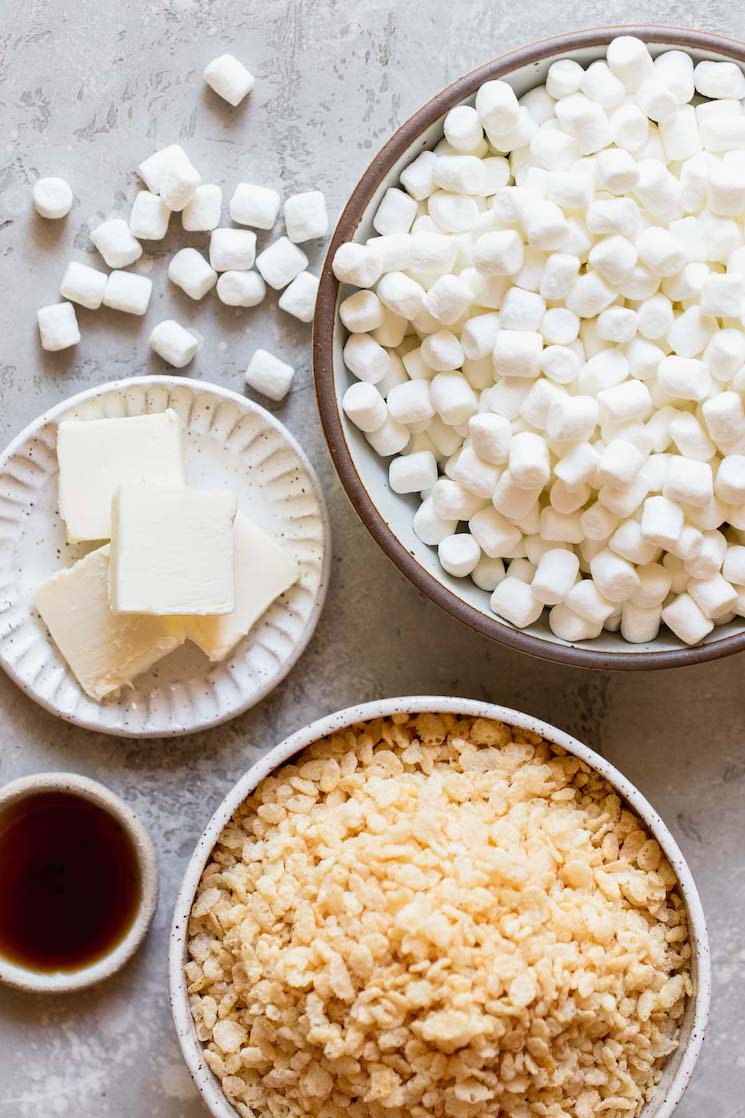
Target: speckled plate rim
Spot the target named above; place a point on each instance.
(248, 407)
(191, 1047)
(64, 982)
(326, 323)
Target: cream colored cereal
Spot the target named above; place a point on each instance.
(431, 916)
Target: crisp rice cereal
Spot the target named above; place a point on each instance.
(433, 915)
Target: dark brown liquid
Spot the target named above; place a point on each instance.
(69, 882)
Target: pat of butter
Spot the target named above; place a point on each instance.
(97, 456)
(263, 571)
(104, 649)
(172, 550)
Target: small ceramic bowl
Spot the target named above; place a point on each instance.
(62, 982)
(364, 475)
(679, 1068)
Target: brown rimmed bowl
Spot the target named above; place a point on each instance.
(388, 516)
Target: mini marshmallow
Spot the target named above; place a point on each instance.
(84, 285)
(177, 178)
(689, 544)
(614, 577)
(578, 466)
(448, 298)
(733, 567)
(559, 364)
(173, 343)
(306, 217)
(201, 213)
(453, 213)
(605, 370)
(52, 198)
(630, 400)
(589, 295)
(724, 356)
(494, 533)
(628, 542)
(522, 569)
(267, 374)
(570, 190)
(690, 438)
(229, 78)
(566, 500)
(689, 482)
(58, 326)
(258, 207)
(521, 310)
(411, 473)
(499, 253)
(453, 398)
(573, 419)
(629, 60)
(555, 576)
(684, 378)
(281, 262)
(529, 460)
(729, 484)
(559, 326)
(368, 361)
(515, 602)
(585, 600)
(513, 500)
(364, 405)
(719, 80)
(585, 121)
(618, 463)
(629, 128)
(473, 473)
(430, 528)
(680, 135)
(490, 437)
(361, 312)
(356, 264)
(401, 294)
(395, 213)
(411, 402)
(569, 626)
(452, 501)
(389, 439)
(640, 625)
(394, 252)
(561, 527)
(687, 620)
(463, 130)
(149, 217)
(392, 329)
(115, 243)
(479, 335)
(232, 250)
(725, 421)
(600, 84)
(443, 352)
(558, 275)
(299, 297)
(417, 177)
(459, 174)
(660, 252)
(189, 270)
(656, 100)
(654, 586)
(709, 558)
(242, 289)
(539, 401)
(517, 353)
(714, 596)
(497, 107)
(613, 217)
(127, 292)
(459, 554)
(564, 78)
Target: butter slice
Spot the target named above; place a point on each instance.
(172, 550)
(103, 649)
(97, 456)
(263, 571)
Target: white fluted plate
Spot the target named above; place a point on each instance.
(230, 442)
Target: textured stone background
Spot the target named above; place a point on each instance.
(87, 89)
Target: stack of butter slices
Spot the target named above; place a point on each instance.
(181, 563)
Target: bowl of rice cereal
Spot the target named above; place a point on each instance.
(438, 908)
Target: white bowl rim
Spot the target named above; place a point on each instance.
(191, 1047)
(326, 322)
(62, 981)
(59, 409)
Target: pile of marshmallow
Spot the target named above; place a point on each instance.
(175, 186)
(548, 340)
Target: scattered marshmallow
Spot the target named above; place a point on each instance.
(58, 326)
(232, 250)
(299, 297)
(281, 262)
(189, 270)
(52, 197)
(201, 214)
(128, 292)
(173, 343)
(306, 217)
(116, 244)
(149, 218)
(253, 205)
(229, 78)
(84, 285)
(241, 289)
(268, 375)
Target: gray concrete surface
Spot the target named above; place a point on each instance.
(87, 89)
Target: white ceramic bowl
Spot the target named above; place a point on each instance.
(62, 982)
(679, 1067)
(387, 515)
(230, 442)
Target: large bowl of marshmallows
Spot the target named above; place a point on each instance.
(530, 348)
